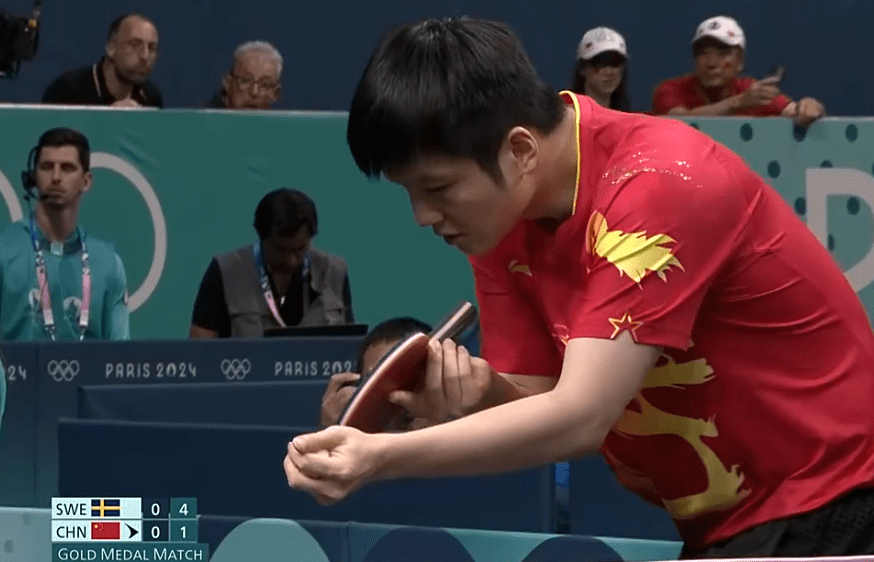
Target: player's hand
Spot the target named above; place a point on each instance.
(336, 396)
(332, 463)
(807, 110)
(456, 385)
(760, 93)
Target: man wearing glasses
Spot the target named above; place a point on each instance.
(254, 79)
(121, 77)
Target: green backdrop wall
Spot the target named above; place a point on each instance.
(173, 188)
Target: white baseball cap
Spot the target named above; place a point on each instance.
(722, 28)
(599, 40)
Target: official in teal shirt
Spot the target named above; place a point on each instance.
(47, 259)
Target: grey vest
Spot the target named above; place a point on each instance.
(250, 315)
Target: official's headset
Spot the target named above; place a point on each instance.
(28, 176)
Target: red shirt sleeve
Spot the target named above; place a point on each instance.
(777, 105)
(654, 250)
(667, 96)
(515, 337)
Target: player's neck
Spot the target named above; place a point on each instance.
(557, 186)
(57, 224)
(119, 90)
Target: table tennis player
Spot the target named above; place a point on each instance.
(642, 293)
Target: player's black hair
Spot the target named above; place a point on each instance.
(450, 87)
(390, 331)
(115, 25)
(63, 136)
(284, 212)
(619, 99)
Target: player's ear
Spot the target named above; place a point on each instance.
(524, 149)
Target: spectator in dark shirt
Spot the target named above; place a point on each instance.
(121, 77)
(278, 281)
(254, 79)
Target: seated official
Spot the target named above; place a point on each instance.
(278, 281)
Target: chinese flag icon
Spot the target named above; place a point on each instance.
(105, 530)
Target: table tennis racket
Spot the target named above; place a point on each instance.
(400, 369)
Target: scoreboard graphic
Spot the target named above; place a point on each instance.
(126, 529)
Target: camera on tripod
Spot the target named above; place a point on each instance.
(19, 39)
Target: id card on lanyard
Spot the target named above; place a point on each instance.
(45, 298)
(265, 282)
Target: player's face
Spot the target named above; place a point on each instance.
(285, 254)
(460, 201)
(134, 50)
(254, 81)
(60, 179)
(716, 63)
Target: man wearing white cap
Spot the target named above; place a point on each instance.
(716, 88)
(600, 71)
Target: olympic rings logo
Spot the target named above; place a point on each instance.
(236, 369)
(63, 370)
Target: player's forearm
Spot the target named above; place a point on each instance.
(508, 388)
(533, 431)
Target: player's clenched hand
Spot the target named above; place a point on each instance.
(337, 395)
(332, 463)
(456, 384)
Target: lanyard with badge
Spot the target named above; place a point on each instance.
(265, 282)
(45, 298)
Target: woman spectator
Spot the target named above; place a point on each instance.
(600, 72)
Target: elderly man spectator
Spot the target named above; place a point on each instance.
(121, 77)
(254, 79)
(716, 87)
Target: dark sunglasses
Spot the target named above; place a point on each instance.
(608, 58)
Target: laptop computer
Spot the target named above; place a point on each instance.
(317, 331)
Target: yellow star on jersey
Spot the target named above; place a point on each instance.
(516, 267)
(624, 323)
(633, 253)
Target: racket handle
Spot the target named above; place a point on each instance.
(456, 322)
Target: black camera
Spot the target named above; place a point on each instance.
(19, 39)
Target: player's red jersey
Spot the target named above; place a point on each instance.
(686, 91)
(760, 407)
